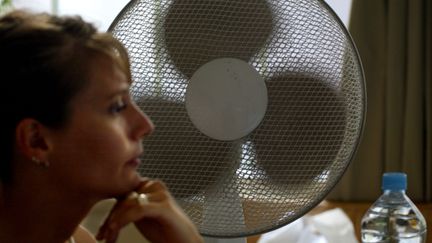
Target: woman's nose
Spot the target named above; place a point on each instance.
(143, 125)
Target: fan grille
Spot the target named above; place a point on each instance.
(316, 105)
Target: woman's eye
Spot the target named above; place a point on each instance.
(118, 106)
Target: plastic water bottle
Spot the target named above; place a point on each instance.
(393, 218)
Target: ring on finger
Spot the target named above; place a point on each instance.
(142, 199)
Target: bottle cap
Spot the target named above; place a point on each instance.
(394, 181)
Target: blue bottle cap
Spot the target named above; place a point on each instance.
(394, 181)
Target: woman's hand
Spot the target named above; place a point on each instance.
(158, 218)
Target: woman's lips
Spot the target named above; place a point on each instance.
(134, 162)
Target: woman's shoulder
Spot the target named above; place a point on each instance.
(82, 235)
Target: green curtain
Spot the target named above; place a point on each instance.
(393, 38)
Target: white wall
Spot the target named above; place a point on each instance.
(342, 9)
(103, 12)
(100, 12)
(35, 5)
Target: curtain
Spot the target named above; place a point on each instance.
(393, 38)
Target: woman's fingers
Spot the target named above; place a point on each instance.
(154, 212)
(149, 186)
(134, 209)
(103, 229)
(146, 201)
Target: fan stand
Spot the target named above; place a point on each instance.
(211, 207)
(233, 240)
(214, 205)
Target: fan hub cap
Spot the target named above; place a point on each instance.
(226, 99)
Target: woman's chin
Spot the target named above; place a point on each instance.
(136, 178)
(126, 185)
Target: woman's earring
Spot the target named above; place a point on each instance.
(40, 162)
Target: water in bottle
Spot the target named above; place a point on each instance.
(393, 218)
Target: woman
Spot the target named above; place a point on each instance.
(72, 137)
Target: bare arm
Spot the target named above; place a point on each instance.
(82, 235)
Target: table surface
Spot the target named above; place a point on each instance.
(356, 210)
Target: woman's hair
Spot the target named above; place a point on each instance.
(45, 61)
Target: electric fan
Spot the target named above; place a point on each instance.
(258, 105)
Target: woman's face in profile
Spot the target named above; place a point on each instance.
(97, 151)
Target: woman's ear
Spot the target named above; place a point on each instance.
(32, 140)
